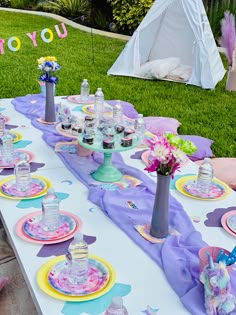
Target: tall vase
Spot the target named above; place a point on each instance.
(160, 215)
(50, 111)
(231, 80)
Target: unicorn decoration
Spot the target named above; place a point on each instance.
(216, 280)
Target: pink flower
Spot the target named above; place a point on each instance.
(165, 158)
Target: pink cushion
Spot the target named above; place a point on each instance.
(3, 281)
(161, 125)
(224, 170)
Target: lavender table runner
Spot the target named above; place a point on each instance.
(178, 255)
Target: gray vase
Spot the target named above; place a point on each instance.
(50, 111)
(160, 215)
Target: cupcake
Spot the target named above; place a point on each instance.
(126, 142)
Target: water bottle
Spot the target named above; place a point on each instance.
(7, 148)
(22, 173)
(205, 176)
(2, 124)
(84, 91)
(117, 113)
(50, 211)
(99, 104)
(77, 257)
(116, 307)
(139, 126)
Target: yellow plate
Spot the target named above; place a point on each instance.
(17, 136)
(179, 184)
(90, 109)
(43, 192)
(42, 281)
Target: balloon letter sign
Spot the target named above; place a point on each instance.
(14, 42)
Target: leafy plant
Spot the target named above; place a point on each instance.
(99, 20)
(128, 14)
(21, 4)
(5, 3)
(215, 11)
(69, 8)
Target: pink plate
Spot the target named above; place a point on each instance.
(28, 155)
(224, 219)
(42, 121)
(7, 119)
(145, 157)
(20, 223)
(34, 228)
(76, 99)
(65, 133)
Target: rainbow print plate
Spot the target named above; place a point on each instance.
(43, 281)
(33, 228)
(39, 188)
(187, 186)
(77, 99)
(16, 136)
(90, 109)
(17, 154)
(216, 190)
(98, 276)
(227, 223)
(21, 232)
(231, 222)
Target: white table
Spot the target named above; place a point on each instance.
(148, 287)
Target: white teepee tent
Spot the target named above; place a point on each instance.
(173, 42)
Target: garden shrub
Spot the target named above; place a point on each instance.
(22, 4)
(101, 14)
(128, 14)
(69, 8)
(5, 3)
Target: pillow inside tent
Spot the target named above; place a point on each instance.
(158, 68)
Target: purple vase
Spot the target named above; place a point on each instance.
(50, 111)
(160, 215)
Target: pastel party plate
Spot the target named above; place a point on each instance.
(34, 229)
(16, 136)
(43, 275)
(228, 222)
(187, 186)
(17, 154)
(7, 119)
(39, 188)
(98, 277)
(231, 222)
(77, 99)
(90, 110)
(21, 230)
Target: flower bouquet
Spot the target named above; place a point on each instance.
(167, 154)
(48, 65)
(228, 42)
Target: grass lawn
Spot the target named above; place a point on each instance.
(209, 114)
